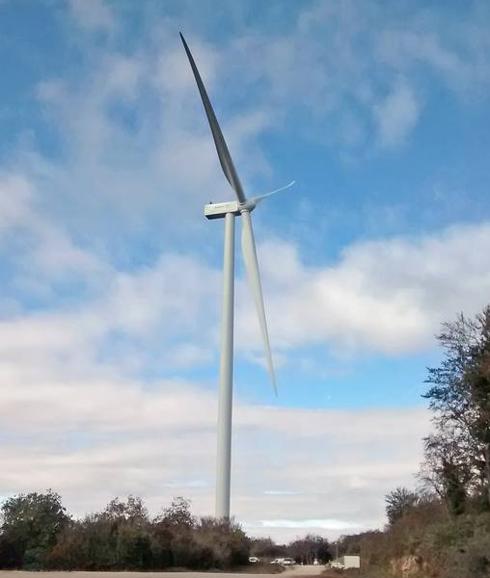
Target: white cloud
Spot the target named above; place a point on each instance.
(174, 74)
(177, 291)
(93, 15)
(453, 52)
(388, 295)
(337, 61)
(39, 248)
(397, 115)
(337, 525)
(157, 437)
(159, 441)
(15, 200)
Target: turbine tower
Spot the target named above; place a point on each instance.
(242, 207)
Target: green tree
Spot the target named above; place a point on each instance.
(31, 524)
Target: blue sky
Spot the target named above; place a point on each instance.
(111, 275)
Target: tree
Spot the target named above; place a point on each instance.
(459, 396)
(132, 511)
(221, 544)
(117, 538)
(477, 378)
(177, 515)
(266, 548)
(173, 531)
(369, 545)
(448, 468)
(398, 503)
(31, 524)
(124, 527)
(309, 549)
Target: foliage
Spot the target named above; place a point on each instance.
(265, 548)
(119, 537)
(224, 542)
(177, 515)
(310, 548)
(370, 546)
(30, 527)
(37, 534)
(457, 463)
(398, 503)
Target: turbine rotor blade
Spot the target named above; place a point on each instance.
(219, 140)
(252, 269)
(260, 198)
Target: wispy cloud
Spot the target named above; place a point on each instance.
(93, 15)
(327, 524)
(397, 115)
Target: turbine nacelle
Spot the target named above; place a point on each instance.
(219, 210)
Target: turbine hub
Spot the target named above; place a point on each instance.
(249, 205)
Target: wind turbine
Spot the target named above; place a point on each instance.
(242, 207)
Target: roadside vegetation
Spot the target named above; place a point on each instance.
(37, 533)
(442, 529)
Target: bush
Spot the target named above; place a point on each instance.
(461, 548)
(224, 541)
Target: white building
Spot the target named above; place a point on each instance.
(351, 561)
(346, 562)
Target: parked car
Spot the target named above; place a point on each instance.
(277, 561)
(253, 559)
(288, 561)
(284, 561)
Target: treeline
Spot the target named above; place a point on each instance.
(37, 533)
(442, 530)
(303, 550)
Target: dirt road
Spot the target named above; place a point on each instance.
(294, 572)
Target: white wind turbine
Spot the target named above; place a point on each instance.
(242, 207)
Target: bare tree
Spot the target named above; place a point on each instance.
(398, 503)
